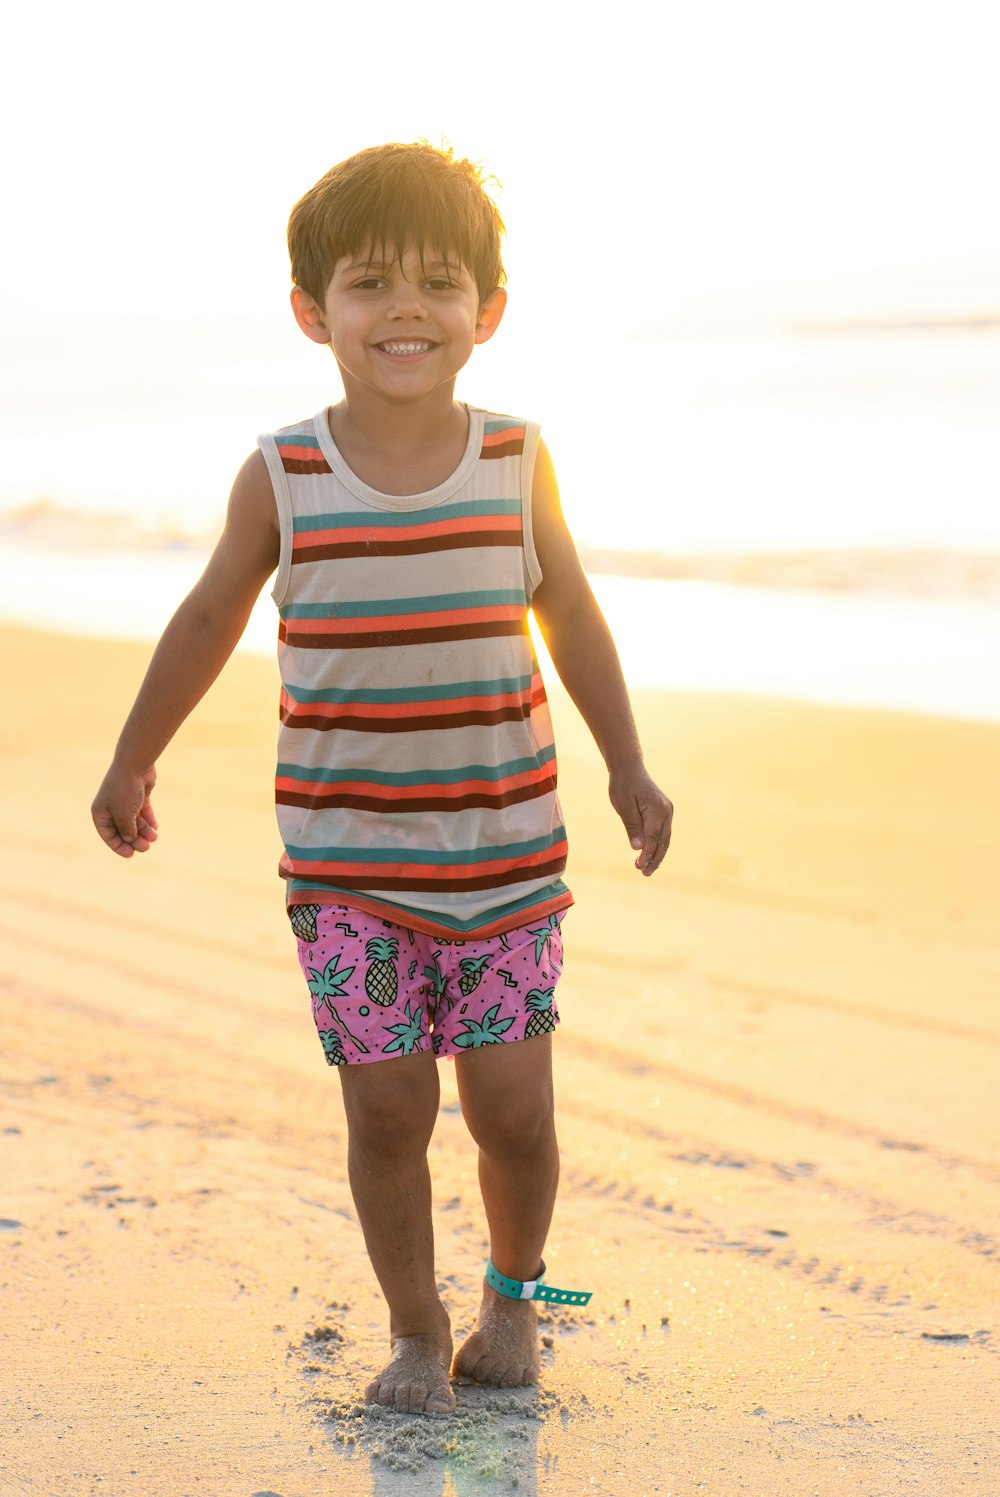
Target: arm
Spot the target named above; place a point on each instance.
(584, 654)
(194, 647)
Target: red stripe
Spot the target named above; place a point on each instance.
(508, 434)
(387, 623)
(413, 920)
(444, 707)
(407, 532)
(318, 789)
(304, 450)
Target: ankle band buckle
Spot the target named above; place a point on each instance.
(534, 1288)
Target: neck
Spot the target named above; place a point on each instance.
(397, 427)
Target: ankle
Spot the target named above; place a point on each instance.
(430, 1320)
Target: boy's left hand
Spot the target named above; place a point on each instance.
(647, 814)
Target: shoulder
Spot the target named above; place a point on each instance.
(505, 435)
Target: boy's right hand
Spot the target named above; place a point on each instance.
(122, 812)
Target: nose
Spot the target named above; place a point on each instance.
(407, 301)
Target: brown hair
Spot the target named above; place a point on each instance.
(385, 200)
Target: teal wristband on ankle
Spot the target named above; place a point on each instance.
(533, 1288)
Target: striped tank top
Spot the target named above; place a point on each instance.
(416, 775)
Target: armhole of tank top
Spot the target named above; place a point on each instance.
(283, 504)
(532, 569)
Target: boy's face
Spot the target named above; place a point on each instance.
(397, 329)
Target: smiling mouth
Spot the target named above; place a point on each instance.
(405, 350)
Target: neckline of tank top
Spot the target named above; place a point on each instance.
(374, 498)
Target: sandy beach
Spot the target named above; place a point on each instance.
(781, 1173)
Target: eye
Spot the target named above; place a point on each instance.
(440, 283)
(369, 283)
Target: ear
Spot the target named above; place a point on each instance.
(309, 315)
(490, 314)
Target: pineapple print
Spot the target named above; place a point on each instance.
(471, 969)
(303, 918)
(541, 1021)
(332, 1048)
(381, 980)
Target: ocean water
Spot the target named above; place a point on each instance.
(937, 656)
(736, 441)
(725, 441)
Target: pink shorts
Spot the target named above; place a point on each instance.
(380, 990)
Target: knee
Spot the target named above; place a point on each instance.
(389, 1122)
(518, 1123)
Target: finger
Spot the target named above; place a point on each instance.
(634, 826)
(655, 842)
(108, 830)
(123, 836)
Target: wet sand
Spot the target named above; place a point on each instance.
(778, 1116)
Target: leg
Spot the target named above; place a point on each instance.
(391, 1109)
(506, 1093)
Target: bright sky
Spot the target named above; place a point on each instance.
(650, 159)
(658, 153)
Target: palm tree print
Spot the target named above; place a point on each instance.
(329, 983)
(358, 1044)
(489, 1032)
(408, 1035)
(436, 977)
(543, 939)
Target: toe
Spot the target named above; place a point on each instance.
(418, 1398)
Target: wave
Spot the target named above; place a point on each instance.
(902, 571)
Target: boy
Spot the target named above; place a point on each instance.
(416, 778)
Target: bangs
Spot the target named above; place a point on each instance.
(389, 199)
(392, 216)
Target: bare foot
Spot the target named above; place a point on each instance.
(415, 1379)
(503, 1349)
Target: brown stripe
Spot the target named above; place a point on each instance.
(470, 718)
(429, 803)
(449, 886)
(513, 448)
(331, 550)
(305, 465)
(386, 639)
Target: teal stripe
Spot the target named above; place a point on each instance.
(391, 607)
(489, 427)
(398, 912)
(370, 695)
(492, 772)
(366, 519)
(283, 439)
(410, 855)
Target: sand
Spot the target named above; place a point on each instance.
(777, 1092)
